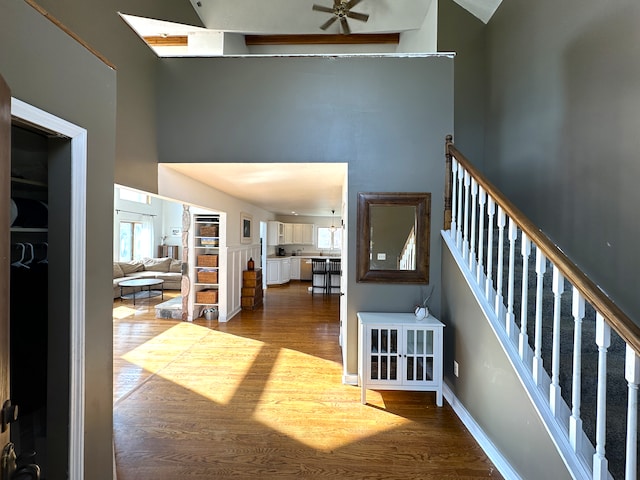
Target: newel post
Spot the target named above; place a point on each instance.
(447, 183)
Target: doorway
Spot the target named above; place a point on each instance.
(49, 172)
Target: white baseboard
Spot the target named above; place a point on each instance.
(350, 379)
(501, 463)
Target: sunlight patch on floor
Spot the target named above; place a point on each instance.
(123, 312)
(182, 352)
(337, 409)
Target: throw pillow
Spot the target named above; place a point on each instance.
(131, 267)
(117, 270)
(176, 266)
(156, 264)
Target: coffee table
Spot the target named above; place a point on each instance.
(142, 283)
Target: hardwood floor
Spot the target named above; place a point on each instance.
(261, 397)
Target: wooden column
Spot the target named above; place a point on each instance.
(447, 184)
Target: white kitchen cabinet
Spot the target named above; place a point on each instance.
(275, 233)
(273, 272)
(285, 270)
(397, 351)
(278, 271)
(295, 268)
(288, 234)
(279, 233)
(303, 233)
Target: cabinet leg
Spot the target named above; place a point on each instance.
(363, 395)
(439, 398)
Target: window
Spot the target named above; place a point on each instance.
(329, 237)
(134, 196)
(135, 241)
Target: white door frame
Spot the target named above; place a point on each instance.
(78, 137)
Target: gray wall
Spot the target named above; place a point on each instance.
(462, 33)
(98, 22)
(46, 68)
(563, 123)
(487, 384)
(386, 117)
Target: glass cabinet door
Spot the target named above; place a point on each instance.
(384, 354)
(419, 355)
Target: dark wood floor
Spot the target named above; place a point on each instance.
(261, 397)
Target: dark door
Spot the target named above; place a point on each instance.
(10, 469)
(5, 194)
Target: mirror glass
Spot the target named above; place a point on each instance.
(393, 237)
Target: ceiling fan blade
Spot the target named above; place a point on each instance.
(363, 17)
(328, 23)
(352, 4)
(345, 26)
(336, 3)
(320, 8)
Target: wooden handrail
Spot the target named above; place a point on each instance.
(612, 314)
(69, 32)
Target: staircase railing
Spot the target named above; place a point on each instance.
(575, 330)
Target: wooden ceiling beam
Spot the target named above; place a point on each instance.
(167, 41)
(323, 39)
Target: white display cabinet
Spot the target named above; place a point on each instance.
(398, 351)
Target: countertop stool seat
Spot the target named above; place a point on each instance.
(334, 271)
(319, 275)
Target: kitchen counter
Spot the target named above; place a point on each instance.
(281, 269)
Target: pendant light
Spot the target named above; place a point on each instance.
(333, 217)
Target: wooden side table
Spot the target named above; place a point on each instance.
(251, 289)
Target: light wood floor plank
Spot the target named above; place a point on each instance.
(261, 397)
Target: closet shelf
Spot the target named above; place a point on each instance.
(29, 229)
(33, 183)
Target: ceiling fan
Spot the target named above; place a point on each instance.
(341, 10)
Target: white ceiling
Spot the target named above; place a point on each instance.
(308, 189)
(297, 16)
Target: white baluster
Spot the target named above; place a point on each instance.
(491, 208)
(499, 305)
(482, 200)
(575, 422)
(510, 318)
(524, 338)
(454, 199)
(541, 266)
(603, 340)
(632, 375)
(554, 389)
(465, 227)
(460, 207)
(474, 202)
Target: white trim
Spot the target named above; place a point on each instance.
(350, 379)
(501, 463)
(78, 137)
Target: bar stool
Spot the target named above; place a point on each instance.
(334, 271)
(319, 275)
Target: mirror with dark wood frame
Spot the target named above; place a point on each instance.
(392, 244)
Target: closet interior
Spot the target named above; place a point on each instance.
(29, 299)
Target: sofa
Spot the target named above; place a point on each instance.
(166, 269)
